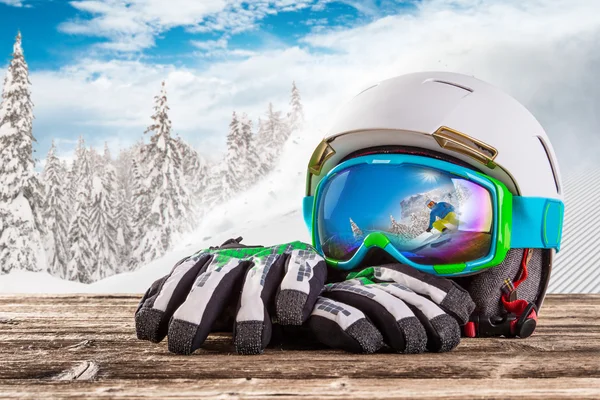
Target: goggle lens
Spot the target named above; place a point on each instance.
(403, 201)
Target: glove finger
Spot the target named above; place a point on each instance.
(165, 296)
(344, 327)
(296, 274)
(305, 275)
(253, 327)
(151, 292)
(453, 299)
(210, 293)
(399, 326)
(443, 332)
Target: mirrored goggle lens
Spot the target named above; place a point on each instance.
(404, 202)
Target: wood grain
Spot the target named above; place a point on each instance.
(85, 347)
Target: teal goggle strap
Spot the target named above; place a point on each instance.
(537, 223)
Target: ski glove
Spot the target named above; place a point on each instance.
(258, 282)
(408, 310)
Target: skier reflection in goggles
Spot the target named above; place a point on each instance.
(446, 214)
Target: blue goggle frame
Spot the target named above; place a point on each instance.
(517, 221)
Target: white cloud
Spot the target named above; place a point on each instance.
(132, 25)
(241, 53)
(543, 53)
(317, 25)
(210, 44)
(14, 3)
(219, 49)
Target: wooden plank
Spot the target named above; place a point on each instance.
(328, 388)
(85, 346)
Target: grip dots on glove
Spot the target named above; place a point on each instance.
(448, 334)
(182, 335)
(249, 336)
(289, 307)
(148, 325)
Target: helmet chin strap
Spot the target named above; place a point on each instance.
(521, 315)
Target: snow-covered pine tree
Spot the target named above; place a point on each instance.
(103, 225)
(123, 218)
(140, 208)
(123, 169)
(235, 159)
(213, 193)
(35, 194)
(56, 215)
(194, 170)
(267, 156)
(124, 208)
(96, 161)
(21, 202)
(296, 114)
(396, 227)
(170, 208)
(187, 154)
(227, 178)
(260, 128)
(253, 166)
(82, 260)
(355, 230)
(106, 161)
(73, 174)
(273, 135)
(411, 229)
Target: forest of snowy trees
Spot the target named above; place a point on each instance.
(104, 214)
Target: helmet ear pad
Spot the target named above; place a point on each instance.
(486, 288)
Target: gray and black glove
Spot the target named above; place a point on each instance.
(393, 304)
(259, 283)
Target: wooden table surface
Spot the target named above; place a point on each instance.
(85, 347)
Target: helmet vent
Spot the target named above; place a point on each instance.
(552, 166)
(450, 84)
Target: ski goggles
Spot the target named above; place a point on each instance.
(433, 215)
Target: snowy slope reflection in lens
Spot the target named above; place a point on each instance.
(429, 215)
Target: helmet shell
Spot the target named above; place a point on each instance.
(409, 110)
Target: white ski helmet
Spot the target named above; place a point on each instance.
(451, 114)
(467, 121)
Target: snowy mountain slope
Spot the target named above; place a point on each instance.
(283, 228)
(268, 213)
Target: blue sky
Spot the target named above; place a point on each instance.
(58, 35)
(96, 65)
(51, 44)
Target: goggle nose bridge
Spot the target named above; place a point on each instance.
(376, 239)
